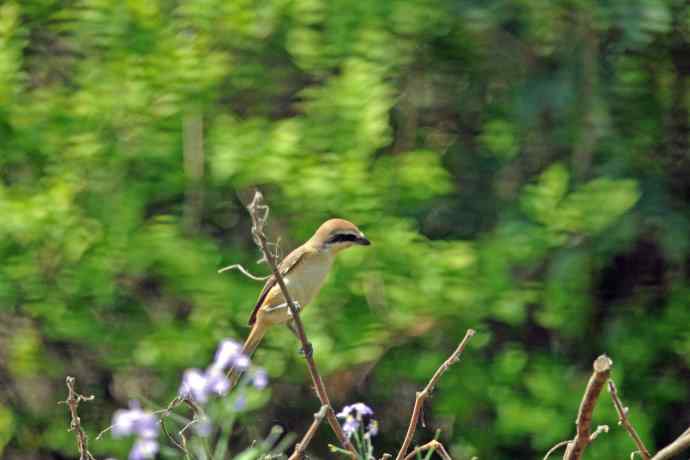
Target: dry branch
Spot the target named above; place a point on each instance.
(256, 207)
(680, 444)
(602, 370)
(72, 402)
(301, 446)
(623, 420)
(426, 392)
(431, 445)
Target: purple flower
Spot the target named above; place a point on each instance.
(134, 421)
(357, 410)
(217, 382)
(194, 386)
(197, 385)
(229, 354)
(350, 426)
(143, 448)
(354, 415)
(260, 379)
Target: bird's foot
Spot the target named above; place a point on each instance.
(297, 306)
(307, 351)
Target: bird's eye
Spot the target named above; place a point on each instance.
(342, 237)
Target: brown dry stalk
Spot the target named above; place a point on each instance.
(72, 402)
(426, 392)
(258, 221)
(301, 446)
(602, 370)
(680, 444)
(623, 420)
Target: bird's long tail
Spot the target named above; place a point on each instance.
(255, 335)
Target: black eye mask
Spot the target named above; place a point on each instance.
(342, 238)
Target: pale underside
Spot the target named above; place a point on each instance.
(303, 279)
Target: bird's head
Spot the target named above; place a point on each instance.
(334, 235)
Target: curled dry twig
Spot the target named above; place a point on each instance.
(72, 402)
(555, 448)
(623, 420)
(602, 370)
(426, 392)
(259, 214)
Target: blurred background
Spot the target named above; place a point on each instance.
(521, 167)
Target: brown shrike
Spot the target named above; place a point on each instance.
(304, 271)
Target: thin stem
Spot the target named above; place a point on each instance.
(426, 392)
(623, 420)
(301, 446)
(72, 402)
(680, 444)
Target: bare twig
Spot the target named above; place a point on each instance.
(301, 446)
(244, 271)
(259, 213)
(426, 392)
(680, 444)
(431, 445)
(555, 448)
(72, 402)
(623, 420)
(602, 369)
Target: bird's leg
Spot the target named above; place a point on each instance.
(307, 351)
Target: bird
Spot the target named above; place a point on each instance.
(304, 271)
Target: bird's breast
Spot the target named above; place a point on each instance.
(306, 279)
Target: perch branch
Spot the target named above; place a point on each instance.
(623, 420)
(433, 445)
(259, 213)
(680, 444)
(72, 402)
(301, 446)
(602, 370)
(426, 392)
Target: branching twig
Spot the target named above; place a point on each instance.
(426, 392)
(301, 446)
(259, 213)
(602, 369)
(72, 402)
(623, 420)
(431, 445)
(680, 444)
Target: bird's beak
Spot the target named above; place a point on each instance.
(362, 240)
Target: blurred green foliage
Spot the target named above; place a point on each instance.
(521, 167)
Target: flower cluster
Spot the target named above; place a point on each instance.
(355, 416)
(359, 423)
(135, 421)
(198, 385)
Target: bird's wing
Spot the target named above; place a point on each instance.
(285, 266)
